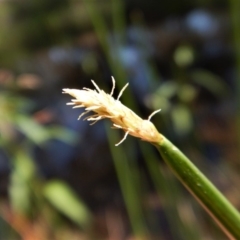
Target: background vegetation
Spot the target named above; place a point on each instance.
(60, 178)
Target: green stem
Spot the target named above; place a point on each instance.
(168, 190)
(219, 208)
(128, 186)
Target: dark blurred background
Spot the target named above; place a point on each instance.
(63, 179)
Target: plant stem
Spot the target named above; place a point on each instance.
(170, 191)
(128, 186)
(219, 208)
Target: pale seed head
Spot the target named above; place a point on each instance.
(105, 106)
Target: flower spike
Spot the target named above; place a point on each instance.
(105, 106)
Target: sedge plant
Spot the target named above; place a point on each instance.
(210, 198)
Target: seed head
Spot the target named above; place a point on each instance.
(105, 106)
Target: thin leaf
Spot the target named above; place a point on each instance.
(210, 81)
(66, 201)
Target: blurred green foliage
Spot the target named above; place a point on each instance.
(66, 201)
(184, 94)
(28, 26)
(28, 192)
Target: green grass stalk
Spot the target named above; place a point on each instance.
(128, 187)
(218, 207)
(170, 192)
